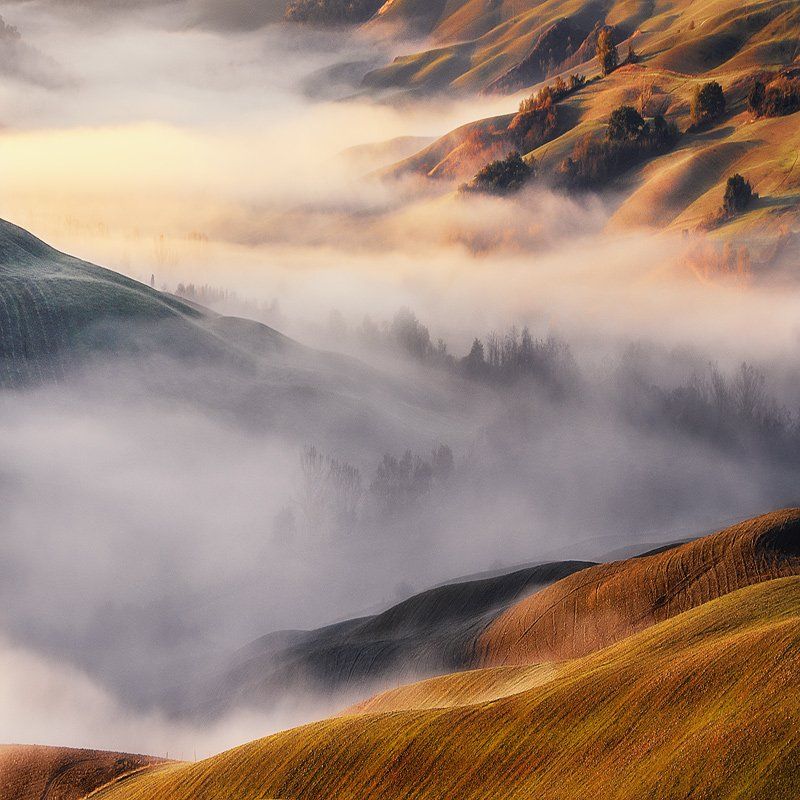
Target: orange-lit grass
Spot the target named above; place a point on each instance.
(704, 705)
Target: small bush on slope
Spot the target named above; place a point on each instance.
(501, 177)
(738, 196)
(708, 104)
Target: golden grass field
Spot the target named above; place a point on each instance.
(680, 46)
(701, 705)
(601, 605)
(664, 676)
(56, 773)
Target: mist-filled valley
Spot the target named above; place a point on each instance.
(308, 382)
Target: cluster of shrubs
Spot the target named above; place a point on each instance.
(552, 93)
(537, 119)
(535, 123)
(504, 176)
(738, 196)
(776, 97)
(629, 139)
(708, 105)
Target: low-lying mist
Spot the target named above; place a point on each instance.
(147, 540)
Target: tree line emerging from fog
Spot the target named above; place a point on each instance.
(334, 498)
(539, 384)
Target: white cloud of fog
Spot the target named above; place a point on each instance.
(45, 701)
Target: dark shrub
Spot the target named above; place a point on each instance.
(738, 195)
(778, 97)
(501, 177)
(755, 97)
(708, 104)
(625, 124)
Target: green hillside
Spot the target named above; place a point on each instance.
(56, 311)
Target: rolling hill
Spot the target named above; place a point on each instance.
(61, 316)
(607, 603)
(477, 44)
(54, 773)
(513, 47)
(56, 311)
(545, 613)
(667, 675)
(694, 706)
(428, 634)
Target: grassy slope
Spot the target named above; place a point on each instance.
(55, 309)
(682, 44)
(478, 41)
(604, 604)
(695, 706)
(54, 773)
(430, 633)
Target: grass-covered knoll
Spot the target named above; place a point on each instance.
(431, 633)
(56, 310)
(56, 773)
(607, 603)
(470, 687)
(700, 705)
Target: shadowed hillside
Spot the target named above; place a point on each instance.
(57, 311)
(430, 633)
(468, 625)
(53, 773)
(59, 314)
(633, 720)
(609, 602)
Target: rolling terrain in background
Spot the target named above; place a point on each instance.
(508, 47)
(433, 632)
(62, 315)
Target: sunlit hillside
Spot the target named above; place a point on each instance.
(667, 53)
(695, 705)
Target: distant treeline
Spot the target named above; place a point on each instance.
(731, 411)
(335, 500)
(500, 359)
